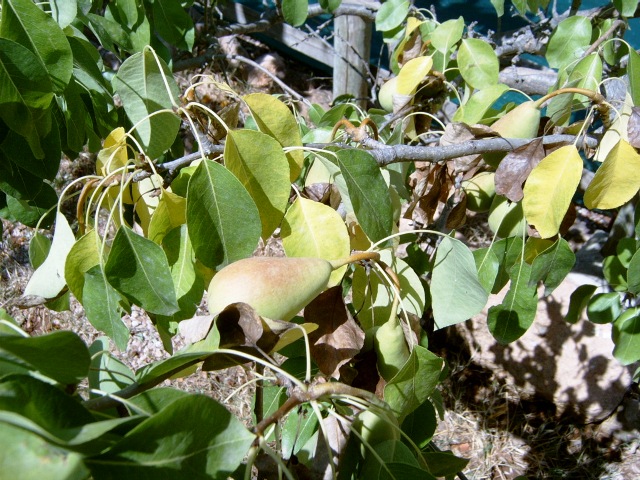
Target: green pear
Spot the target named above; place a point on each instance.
(276, 287)
(386, 92)
(391, 348)
(376, 427)
(506, 219)
(480, 191)
(521, 122)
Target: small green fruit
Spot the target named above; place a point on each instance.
(480, 191)
(386, 92)
(391, 348)
(506, 219)
(376, 428)
(276, 287)
(521, 122)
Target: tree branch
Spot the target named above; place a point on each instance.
(386, 154)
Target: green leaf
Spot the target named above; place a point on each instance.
(633, 70)
(633, 274)
(444, 464)
(39, 247)
(578, 302)
(142, 83)
(173, 24)
(25, 87)
(84, 254)
(421, 424)
(488, 267)
(170, 213)
(18, 150)
(257, 160)
(30, 212)
(64, 11)
(586, 74)
(403, 393)
(276, 120)
(154, 400)
(172, 365)
(24, 23)
(48, 280)
(295, 11)
(368, 193)
(616, 181)
(29, 457)
(627, 8)
(474, 109)
(388, 451)
(215, 201)
(108, 373)
(192, 437)
(604, 307)
(568, 41)
(499, 6)
(60, 355)
(510, 320)
(138, 268)
(626, 336)
(312, 229)
(456, 292)
(478, 63)
(101, 303)
(188, 284)
(550, 188)
(373, 298)
(552, 265)
(44, 409)
(444, 38)
(509, 252)
(298, 428)
(391, 14)
(615, 273)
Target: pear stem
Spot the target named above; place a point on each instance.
(356, 257)
(600, 101)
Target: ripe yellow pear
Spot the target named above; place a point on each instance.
(276, 287)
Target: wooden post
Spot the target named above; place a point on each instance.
(352, 44)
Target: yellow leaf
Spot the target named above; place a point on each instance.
(311, 229)
(113, 154)
(616, 132)
(617, 180)
(550, 188)
(146, 199)
(412, 73)
(170, 213)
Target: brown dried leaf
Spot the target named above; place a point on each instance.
(633, 128)
(318, 192)
(458, 214)
(411, 49)
(338, 338)
(455, 133)
(195, 329)
(515, 168)
(428, 203)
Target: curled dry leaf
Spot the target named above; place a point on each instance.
(458, 214)
(338, 338)
(515, 167)
(240, 326)
(633, 128)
